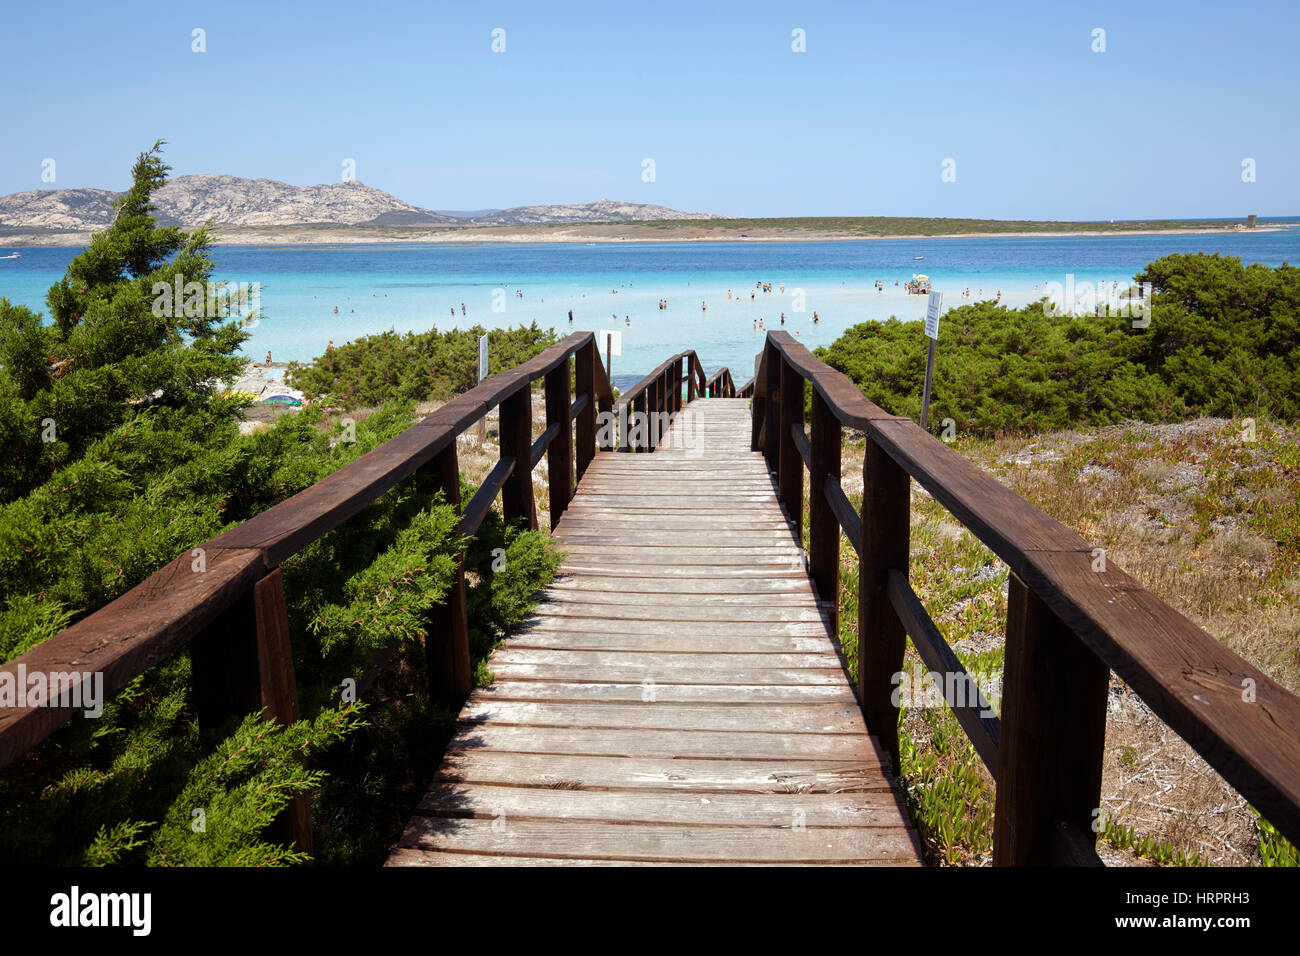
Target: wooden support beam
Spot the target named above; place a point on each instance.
(772, 411)
(886, 505)
(517, 443)
(1053, 733)
(585, 361)
(823, 525)
(243, 663)
(446, 645)
(790, 463)
(559, 460)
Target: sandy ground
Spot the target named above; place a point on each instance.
(263, 381)
(583, 232)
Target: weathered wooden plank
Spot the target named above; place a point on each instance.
(864, 774)
(773, 554)
(607, 640)
(707, 539)
(579, 565)
(677, 628)
(678, 843)
(796, 718)
(781, 811)
(665, 660)
(661, 611)
(595, 597)
(739, 694)
(630, 673)
(624, 584)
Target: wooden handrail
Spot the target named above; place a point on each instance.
(1068, 625)
(226, 595)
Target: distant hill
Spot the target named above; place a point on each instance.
(227, 200)
(235, 201)
(603, 210)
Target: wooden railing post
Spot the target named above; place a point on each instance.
(446, 646)
(823, 526)
(790, 462)
(758, 410)
(1053, 734)
(584, 373)
(559, 456)
(243, 663)
(772, 413)
(886, 507)
(517, 442)
(691, 360)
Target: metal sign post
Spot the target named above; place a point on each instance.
(613, 346)
(482, 374)
(931, 333)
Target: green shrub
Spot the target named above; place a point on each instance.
(421, 366)
(1223, 340)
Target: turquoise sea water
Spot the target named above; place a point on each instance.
(414, 287)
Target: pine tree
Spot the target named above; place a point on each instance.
(111, 352)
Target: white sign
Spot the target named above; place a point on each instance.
(612, 341)
(932, 315)
(482, 357)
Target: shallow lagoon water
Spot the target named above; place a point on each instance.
(410, 287)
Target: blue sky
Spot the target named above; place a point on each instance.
(1038, 125)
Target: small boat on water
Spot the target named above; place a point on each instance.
(918, 257)
(14, 256)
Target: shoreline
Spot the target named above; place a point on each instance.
(313, 236)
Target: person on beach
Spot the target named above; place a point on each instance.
(462, 308)
(330, 347)
(783, 318)
(453, 312)
(570, 316)
(268, 359)
(336, 310)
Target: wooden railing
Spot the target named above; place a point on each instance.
(641, 407)
(226, 597)
(1068, 625)
(720, 385)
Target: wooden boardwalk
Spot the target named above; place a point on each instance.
(676, 698)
